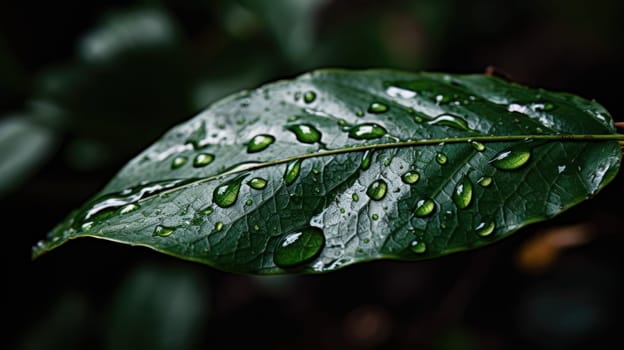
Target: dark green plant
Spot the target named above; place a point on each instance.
(338, 167)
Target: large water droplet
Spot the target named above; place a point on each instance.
(257, 183)
(485, 181)
(299, 247)
(450, 120)
(441, 158)
(367, 131)
(163, 231)
(485, 229)
(377, 107)
(292, 171)
(511, 159)
(259, 143)
(424, 207)
(366, 159)
(377, 190)
(418, 247)
(309, 97)
(305, 133)
(410, 177)
(178, 162)
(203, 159)
(225, 195)
(462, 195)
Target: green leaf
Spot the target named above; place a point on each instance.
(338, 167)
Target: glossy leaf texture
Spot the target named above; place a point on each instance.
(338, 167)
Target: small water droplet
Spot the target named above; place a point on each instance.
(259, 143)
(366, 159)
(367, 131)
(396, 91)
(359, 113)
(292, 171)
(549, 106)
(309, 97)
(163, 231)
(561, 168)
(511, 159)
(424, 207)
(315, 171)
(293, 118)
(355, 197)
(128, 208)
(225, 195)
(299, 247)
(485, 181)
(248, 202)
(375, 217)
(478, 146)
(462, 195)
(377, 107)
(450, 120)
(418, 247)
(440, 98)
(86, 226)
(366, 240)
(377, 190)
(410, 177)
(178, 162)
(305, 133)
(257, 183)
(342, 122)
(207, 211)
(485, 229)
(342, 210)
(256, 228)
(218, 226)
(441, 158)
(203, 159)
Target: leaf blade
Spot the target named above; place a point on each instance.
(410, 122)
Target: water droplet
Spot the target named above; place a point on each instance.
(424, 207)
(299, 247)
(257, 183)
(342, 210)
(315, 171)
(129, 208)
(218, 226)
(292, 171)
(561, 168)
(478, 146)
(440, 98)
(203, 159)
(375, 217)
(366, 159)
(377, 190)
(305, 133)
(549, 106)
(355, 197)
(207, 211)
(377, 107)
(418, 247)
(309, 97)
(462, 195)
(225, 195)
(256, 228)
(366, 240)
(248, 202)
(395, 91)
(86, 226)
(450, 120)
(342, 122)
(293, 118)
(485, 229)
(163, 231)
(367, 131)
(259, 143)
(410, 177)
(485, 181)
(511, 159)
(359, 113)
(178, 162)
(441, 158)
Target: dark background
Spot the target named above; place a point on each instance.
(84, 88)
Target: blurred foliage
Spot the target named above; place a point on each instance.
(85, 86)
